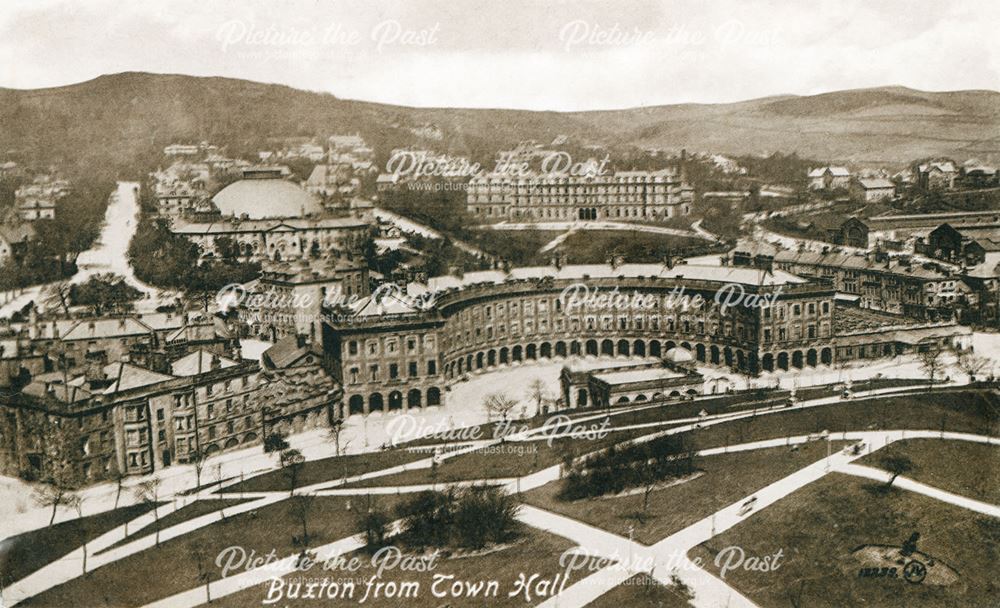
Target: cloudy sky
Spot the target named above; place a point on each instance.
(537, 54)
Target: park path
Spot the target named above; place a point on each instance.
(674, 548)
(906, 483)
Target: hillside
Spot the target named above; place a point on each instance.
(120, 121)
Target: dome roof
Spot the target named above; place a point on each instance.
(265, 198)
(679, 355)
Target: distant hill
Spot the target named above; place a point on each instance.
(120, 122)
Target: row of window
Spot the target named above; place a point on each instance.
(374, 348)
(374, 372)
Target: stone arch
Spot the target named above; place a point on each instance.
(355, 405)
(504, 353)
(413, 398)
(607, 347)
(783, 361)
(531, 352)
(516, 352)
(797, 359)
(675, 394)
(560, 349)
(395, 400)
(741, 360)
(639, 348)
(375, 402)
(479, 360)
(232, 442)
(211, 449)
(686, 345)
(768, 362)
(640, 398)
(811, 357)
(622, 400)
(727, 354)
(670, 344)
(574, 348)
(654, 348)
(250, 437)
(826, 356)
(592, 347)
(699, 350)
(714, 354)
(491, 357)
(545, 352)
(433, 396)
(468, 362)
(623, 347)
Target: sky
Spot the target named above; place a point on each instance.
(531, 54)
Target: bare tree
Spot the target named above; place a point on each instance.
(197, 460)
(119, 476)
(336, 426)
(201, 559)
(55, 492)
(896, 465)
(291, 461)
(76, 502)
(300, 509)
(499, 404)
(972, 364)
(148, 493)
(537, 393)
(932, 363)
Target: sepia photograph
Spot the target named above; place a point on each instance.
(534, 303)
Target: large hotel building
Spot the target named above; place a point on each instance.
(623, 195)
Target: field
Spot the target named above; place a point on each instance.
(726, 478)
(960, 467)
(595, 247)
(25, 553)
(819, 527)
(536, 552)
(172, 567)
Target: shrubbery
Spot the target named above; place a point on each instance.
(470, 518)
(618, 469)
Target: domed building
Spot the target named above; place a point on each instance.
(266, 197)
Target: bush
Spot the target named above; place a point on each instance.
(617, 469)
(473, 518)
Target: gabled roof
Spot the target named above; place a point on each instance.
(93, 329)
(126, 377)
(199, 362)
(835, 171)
(16, 233)
(286, 352)
(875, 183)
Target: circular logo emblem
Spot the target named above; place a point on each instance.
(915, 572)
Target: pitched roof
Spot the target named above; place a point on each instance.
(126, 377)
(199, 362)
(875, 183)
(93, 329)
(286, 352)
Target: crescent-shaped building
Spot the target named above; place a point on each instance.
(402, 348)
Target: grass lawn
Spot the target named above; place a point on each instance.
(159, 572)
(536, 552)
(191, 511)
(726, 479)
(25, 553)
(641, 590)
(962, 411)
(960, 467)
(819, 527)
(326, 469)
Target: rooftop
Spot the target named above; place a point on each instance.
(265, 198)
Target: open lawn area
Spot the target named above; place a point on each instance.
(725, 479)
(186, 513)
(961, 467)
(970, 411)
(25, 553)
(325, 469)
(820, 528)
(536, 553)
(162, 571)
(641, 590)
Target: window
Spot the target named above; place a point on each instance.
(352, 347)
(373, 373)
(411, 345)
(432, 368)
(393, 371)
(354, 375)
(413, 369)
(211, 432)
